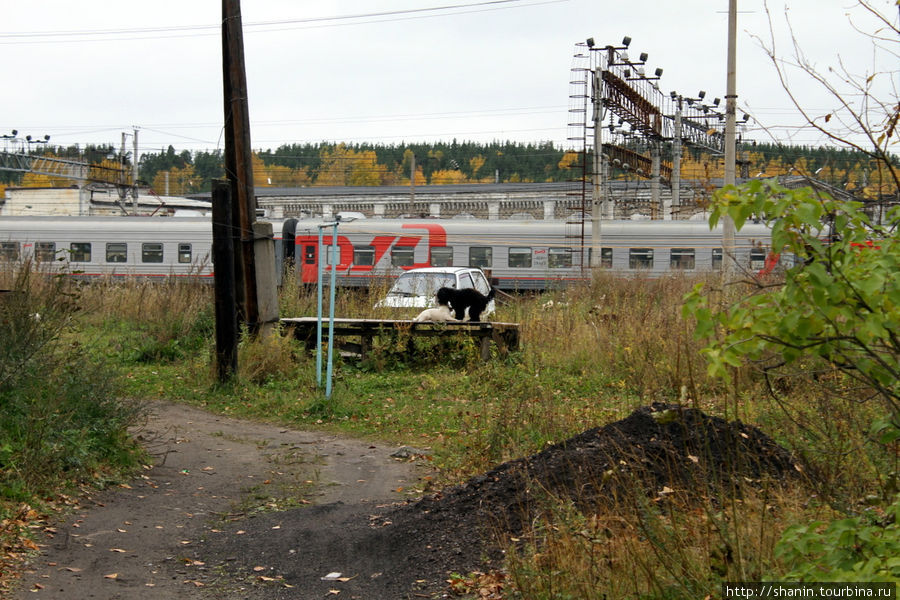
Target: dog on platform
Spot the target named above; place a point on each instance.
(460, 300)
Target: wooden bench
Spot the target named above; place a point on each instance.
(504, 335)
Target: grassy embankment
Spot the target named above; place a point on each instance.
(592, 357)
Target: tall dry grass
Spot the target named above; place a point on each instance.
(167, 319)
(642, 547)
(629, 328)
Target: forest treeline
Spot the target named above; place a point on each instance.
(171, 172)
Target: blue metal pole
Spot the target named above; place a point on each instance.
(331, 308)
(319, 313)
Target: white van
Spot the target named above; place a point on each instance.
(416, 288)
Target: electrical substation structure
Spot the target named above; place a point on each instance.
(625, 127)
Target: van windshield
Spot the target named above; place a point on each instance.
(421, 284)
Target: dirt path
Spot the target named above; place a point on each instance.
(179, 529)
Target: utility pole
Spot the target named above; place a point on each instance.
(121, 177)
(238, 163)
(223, 259)
(412, 185)
(134, 174)
(730, 126)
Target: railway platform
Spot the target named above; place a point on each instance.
(356, 335)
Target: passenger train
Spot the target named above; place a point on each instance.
(518, 255)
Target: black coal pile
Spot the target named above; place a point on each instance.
(661, 448)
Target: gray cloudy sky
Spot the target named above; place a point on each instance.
(386, 71)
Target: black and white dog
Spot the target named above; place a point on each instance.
(460, 300)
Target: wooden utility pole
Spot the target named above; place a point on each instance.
(238, 162)
(223, 260)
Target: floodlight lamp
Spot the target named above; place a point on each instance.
(590, 42)
(626, 166)
(46, 138)
(627, 72)
(626, 41)
(14, 132)
(673, 94)
(28, 138)
(658, 72)
(746, 117)
(701, 94)
(716, 101)
(625, 56)
(640, 71)
(644, 56)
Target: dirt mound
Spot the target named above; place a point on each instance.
(660, 448)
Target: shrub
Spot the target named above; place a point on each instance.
(60, 419)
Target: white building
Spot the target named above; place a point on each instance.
(92, 200)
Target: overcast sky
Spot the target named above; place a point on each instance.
(387, 71)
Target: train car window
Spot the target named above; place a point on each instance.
(402, 257)
(364, 256)
(681, 258)
(757, 258)
(80, 252)
(640, 258)
(185, 253)
(151, 252)
(606, 257)
(45, 251)
(309, 255)
(520, 258)
(716, 258)
(559, 258)
(116, 252)
(442, 256)
(481, 256)
(9, 251)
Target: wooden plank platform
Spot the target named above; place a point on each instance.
(504, 335)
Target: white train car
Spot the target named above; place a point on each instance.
(519, 255)
(110, 246)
